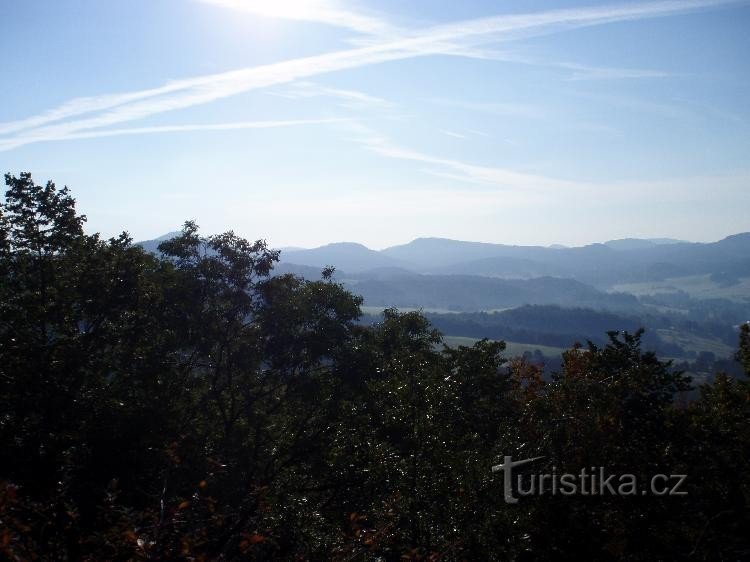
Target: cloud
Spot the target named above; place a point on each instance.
(299, 90)
(84, 105)
(491, 176)
(453, 134)
(130, 106)
(327, 12)
(465, 209)
(530, 187)
(585, 72)
(488, 176)
(577, 71)
(506, 109)
(232, 126)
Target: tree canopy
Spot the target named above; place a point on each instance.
(188, 405)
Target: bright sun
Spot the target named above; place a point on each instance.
(287, 9)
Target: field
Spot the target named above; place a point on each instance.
(691, 342)
(697, 286)
(513, 349)
(377, 310)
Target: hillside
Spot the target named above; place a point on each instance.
(344, 255)
(472, 293)
(604, 265)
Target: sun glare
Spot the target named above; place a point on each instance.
(286, 9)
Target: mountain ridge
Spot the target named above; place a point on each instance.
(602, 265)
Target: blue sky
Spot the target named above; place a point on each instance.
(314, 121)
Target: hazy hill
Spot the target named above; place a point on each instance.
(437, 253)
(347, 256)
(306, 271)
(616, 261)
(640, 243)
(153, 245)
(626, 260)
(678, 289)
(470, 293)
(601, 265)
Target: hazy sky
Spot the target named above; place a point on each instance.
(314, 121)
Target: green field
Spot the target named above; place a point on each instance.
(376, 310)
(686, 341)
(697, 286)
(513, 349)
(691, 342)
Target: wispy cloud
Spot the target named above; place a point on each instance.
(81, 106)
(453, 134)
(232, 126)
(519, 217)
(585, 72)
(467, 134)
(506, 109)
(130, 106)
(674, 110)
(488, 176)
(349, 98)
(521, 187)
(577, 71)
(328, 12)
(491, 176)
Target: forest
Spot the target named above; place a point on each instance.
(190, 404)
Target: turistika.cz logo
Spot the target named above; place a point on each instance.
(593, 481)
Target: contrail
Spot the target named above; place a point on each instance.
(129, 106)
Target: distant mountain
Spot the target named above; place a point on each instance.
(541, 291)
(615, 262)
(583, 263)
(472, 293)
(597, 264)
(152, 246)
(347, 256)
(640, 243)
(507, 267)
(306, 271)
(736, 243)
(382, 273)
(437, 253)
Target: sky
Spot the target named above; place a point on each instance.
(306, 122)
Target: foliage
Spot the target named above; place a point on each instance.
(743, 354)
(190, 406)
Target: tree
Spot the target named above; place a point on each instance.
(192, 405)
(743, 353)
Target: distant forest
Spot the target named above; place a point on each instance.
(194, 402)
(691, 297)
